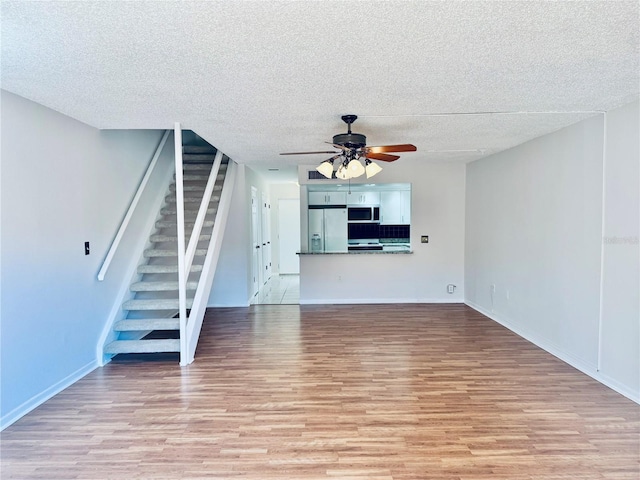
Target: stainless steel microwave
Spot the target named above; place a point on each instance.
(363, 214)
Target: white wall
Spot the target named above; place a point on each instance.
(437, 210)
(232, 283)
(63, 183)
(534, 230)
(620, 340)
(230, 287)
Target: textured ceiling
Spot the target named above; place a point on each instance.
(259, 78)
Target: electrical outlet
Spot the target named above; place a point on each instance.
(451, 288)
(424, 239)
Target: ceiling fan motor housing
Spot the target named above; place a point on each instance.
(350, 140)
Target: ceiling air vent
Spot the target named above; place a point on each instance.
(315, 175)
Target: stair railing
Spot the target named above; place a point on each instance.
(190, 326)
(182, 278)
(201, 297)
(132, 207)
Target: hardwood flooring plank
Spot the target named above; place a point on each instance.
(335, 391)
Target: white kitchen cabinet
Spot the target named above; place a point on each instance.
(327, 198)
(406, 206)
(363, 198)
(395, 207)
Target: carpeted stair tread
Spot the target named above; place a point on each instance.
(142, 324)
(190, 177)
(160, 286)
(199, 149)
(157, 238)
(205, 157)
(157, 252)
(165, 268)
(195, 188)
(173, 224)
(155, 304)
(187, 212)
(187, 199)
(199, 167)
(198, 178)
(188, 217)
(142, 346)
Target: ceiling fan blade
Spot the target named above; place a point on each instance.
(306, 153)
(405, 147)
(341, 147)
(383, 157)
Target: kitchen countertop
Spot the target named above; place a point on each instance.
(361, 252)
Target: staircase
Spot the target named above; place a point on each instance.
(154, 304)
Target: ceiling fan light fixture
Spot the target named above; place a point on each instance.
(326, 168)
(343, 172)
(352, 151)
(372, 168)
(355, 168)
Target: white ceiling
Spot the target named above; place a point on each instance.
(256, 78)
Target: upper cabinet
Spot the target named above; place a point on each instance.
(394, 200)
(363, 198)
(395, 207)
(327, 198)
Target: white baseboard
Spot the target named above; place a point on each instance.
(357, 301)
(575, 362)
(617, 386)
(37, 400)
(227, 305)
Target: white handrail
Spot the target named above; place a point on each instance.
(182, 275)
(132, 207)
(202, 212)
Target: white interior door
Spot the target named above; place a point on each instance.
(266, 237)
(255, 236)
(289, 235)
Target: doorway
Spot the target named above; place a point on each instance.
(283, 287)
(265, 208)
(255, 243)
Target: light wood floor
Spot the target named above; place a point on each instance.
(339, 392)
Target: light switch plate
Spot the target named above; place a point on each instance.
(424, 239)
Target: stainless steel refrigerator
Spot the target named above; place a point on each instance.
(327, 229)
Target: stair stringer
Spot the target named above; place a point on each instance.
(201, 298)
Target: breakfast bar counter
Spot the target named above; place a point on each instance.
(361, 252)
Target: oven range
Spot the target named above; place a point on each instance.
(371, 246)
